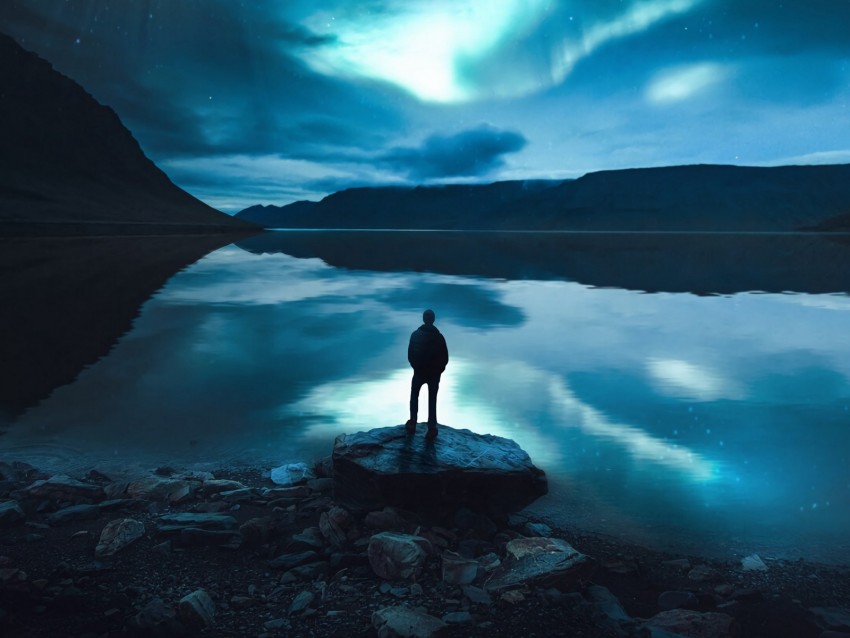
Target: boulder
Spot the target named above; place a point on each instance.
(81, 512)
(117, 535)
(197, 609)
(694, 624)
(174, 523)
(403, 622)
(386, 466)
(394, 556)
(159, 488)
(10, 513)
(65, 489)
(677, 600)
(753, 562)
(458, 570)
(834, 618)
(292, 474)
(334, 525)
(537, 562)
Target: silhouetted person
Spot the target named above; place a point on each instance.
(428, 355)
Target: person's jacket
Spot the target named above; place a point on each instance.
(427, 351)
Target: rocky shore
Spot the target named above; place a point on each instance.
(235, 553)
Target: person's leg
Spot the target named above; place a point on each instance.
(433, 387)
(415, 386)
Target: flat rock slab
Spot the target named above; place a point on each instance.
(539, 562)
(386, 466)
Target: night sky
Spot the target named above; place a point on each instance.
(271, 101)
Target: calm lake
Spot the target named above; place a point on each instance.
(683, 391)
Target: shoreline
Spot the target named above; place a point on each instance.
(55, 581)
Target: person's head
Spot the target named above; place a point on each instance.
(428, 316)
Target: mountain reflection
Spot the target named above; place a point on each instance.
(66, 301)
(695, 263)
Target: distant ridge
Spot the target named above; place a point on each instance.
(69, 166)
(694, 198)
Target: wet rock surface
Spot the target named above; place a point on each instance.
(266, 564)
(386, 466)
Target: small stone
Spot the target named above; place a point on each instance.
(724, 589)
(457, 570)
(163, 549)
(197, 609)
(173, 523)
(310, 571)
(693, 623)
(458, 618)
(537, 529)
(538, 562)
(288, 561)
(747, 595)
(477, 595)
(334, 525)
(301, 602)
(513, 596)
(197, 537)
(81, 512)
(702, 573)
(156, 618)
(276, 624)
(242, 602)
(63, 488)
(11, 513)
(215, 486)
(117, 535)
(403, 622)
(310, 537)
(257, 531)
(291, 474)
(834, 618)
(395, 556)
(321, 485)
(677, 600)
(682, 564)
(753, 562)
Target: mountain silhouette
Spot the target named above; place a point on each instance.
(68, 164)
(695, 198)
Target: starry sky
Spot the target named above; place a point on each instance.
(271, 101)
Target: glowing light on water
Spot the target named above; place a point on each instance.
(469, 398)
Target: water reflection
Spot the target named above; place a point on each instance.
(66, 301)
(727, 414)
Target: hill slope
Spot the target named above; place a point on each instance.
(677, 198)
(68, 164)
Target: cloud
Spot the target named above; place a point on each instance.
(470, 153)
(682, 83)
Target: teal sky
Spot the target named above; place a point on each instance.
(269, 102)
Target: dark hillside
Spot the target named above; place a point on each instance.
(68, 164)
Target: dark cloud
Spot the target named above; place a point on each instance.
(200, 78)
(466, 154)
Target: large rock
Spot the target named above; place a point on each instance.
(694, 624)
(539, 562)
(197, 609)
(65, 489)
(394, 556)
(460, 468)
(403, 622)
(10, 513)
(117, 535)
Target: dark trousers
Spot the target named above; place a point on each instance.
(433, 382)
